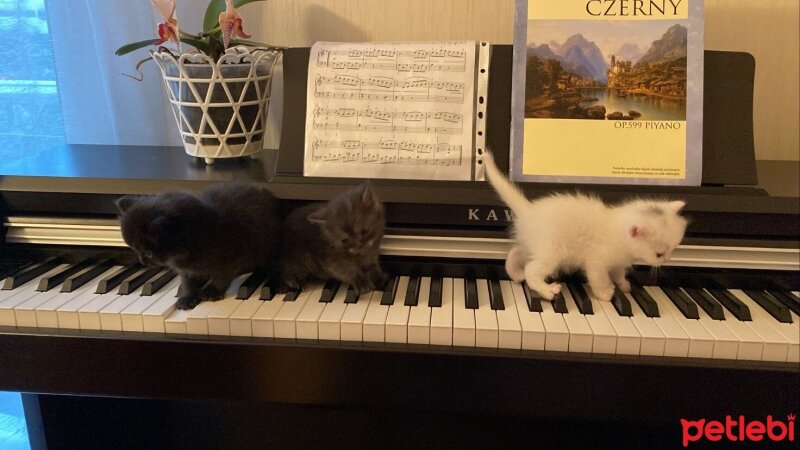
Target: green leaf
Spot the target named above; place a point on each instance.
(125, 49)
(254, 44)
(196, 43)
(215, 7)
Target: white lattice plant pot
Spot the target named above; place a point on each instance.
(220, 108)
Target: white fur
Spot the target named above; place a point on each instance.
(568, 232)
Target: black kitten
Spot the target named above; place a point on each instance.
(339, 239)
(208, 238)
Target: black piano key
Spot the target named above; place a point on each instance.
(581, 298)
(775, 308)
(532, 298)
(78, 280)
(707, 302)
(328, 291)
(731, 303)
(11, 268)
(389, 291)
(435, 296)
(111, 282)
(644, 300)
(412, 293)
(471, 294)
(291, 295)
(25, 275)
(128, 286)
(496, 296)
(269, 289)
(351, 296)
(47, 283)
(787, 298)
(621, 303)
(682, 301)
(155, 285)
(560, 304)
(250, 285)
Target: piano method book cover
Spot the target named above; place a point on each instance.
(608, 91)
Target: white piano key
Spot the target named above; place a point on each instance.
(111, 314)
(10, 299)
(354, 316)
(133, 315)
(676, 341)
(89, 314)
(241, 320)
(306, 324)
(397, 316)
(374, 325)
(751, 345)
(508, 323)
(419, 318)
(263, 322)
(463, 318)
(726, 344)
(218, 318)
(533, 331)
(197, 318)
(176, 322)
(701, 343)
(25, 312)
(67, 314)
(285, 320)
(653, 339)
(580, 334)
(794, 350)
(605, 336)
(155, 316)
(47, 312)
(776, 346)
(629, 340)
(442, 316)
(557, 335)
(486, 329)
(330, 321)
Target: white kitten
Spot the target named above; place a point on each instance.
(568, 232)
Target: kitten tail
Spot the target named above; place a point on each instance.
(507, 191)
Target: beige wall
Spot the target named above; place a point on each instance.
(766, 28)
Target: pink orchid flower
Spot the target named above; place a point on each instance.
(231, 23)
(168, 29)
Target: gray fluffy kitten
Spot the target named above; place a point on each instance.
(339, 239)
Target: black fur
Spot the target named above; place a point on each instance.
(339, 239)
(208, 238)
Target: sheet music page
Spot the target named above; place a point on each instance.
(390, 110)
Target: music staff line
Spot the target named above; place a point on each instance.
(386, 152)
(435, 60)
(409, 116)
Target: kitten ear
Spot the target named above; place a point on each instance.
(318, 217)
(368, 194)
(638, 232)
(125, 202)
(676, 206)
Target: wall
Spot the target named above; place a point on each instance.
(768, 29)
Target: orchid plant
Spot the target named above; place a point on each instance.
(222, 27)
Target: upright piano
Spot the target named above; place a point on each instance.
(450, 344)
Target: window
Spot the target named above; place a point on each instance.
(30, 113)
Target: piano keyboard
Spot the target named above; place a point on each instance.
(677, 321)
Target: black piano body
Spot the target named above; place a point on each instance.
(60, 202)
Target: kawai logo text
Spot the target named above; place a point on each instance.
(738, 430)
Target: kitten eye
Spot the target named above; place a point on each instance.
(659, 255)
(364, 232)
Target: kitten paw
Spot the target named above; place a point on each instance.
(624, 286)
(606, 294)
(187, 302)
(212, 294)
(555, 288)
